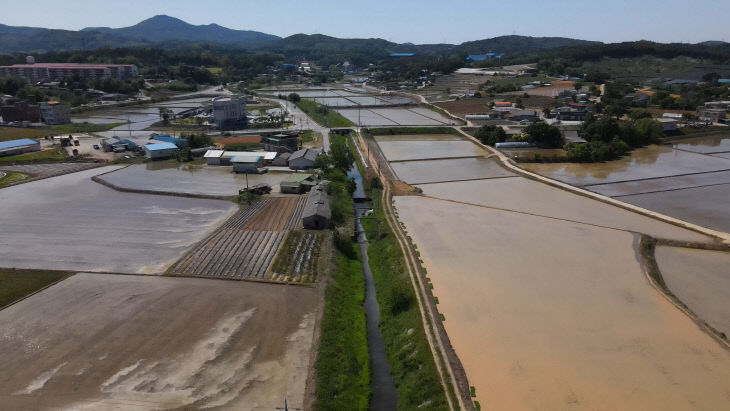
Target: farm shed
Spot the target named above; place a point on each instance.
(282, 160)
(25, 145)
(246, 163)
(298, 183)
(160, 151)
(317, 214)
(213, 157)
(303, 159)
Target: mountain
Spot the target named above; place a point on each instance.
(165, 28)
(521, 44)
(712, 43)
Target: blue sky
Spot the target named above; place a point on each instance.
(423, 21)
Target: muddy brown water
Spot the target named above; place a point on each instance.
(97, 341)
(432, 171)
(649, 162)
(700, 279)
(553, 314)
(710, 144)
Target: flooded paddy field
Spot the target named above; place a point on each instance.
(414, 116)
(705, 206)
(689, 180)
(417, 137)
(434, 171)
(649, 162)
(190, 179)
(400, 150)
(100, 342)
(73, 223)
(351, 101)
(701, 280)
(523, 195)
(566, 324)
(705, 145)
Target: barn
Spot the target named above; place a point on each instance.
(317, 214)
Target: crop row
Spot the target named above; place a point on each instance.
(298, 258)
(296, 215)
(231, 253)
(240, 218)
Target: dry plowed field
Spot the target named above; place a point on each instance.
(244, 247)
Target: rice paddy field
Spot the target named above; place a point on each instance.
(544, 296)
(689, 180)
(395, 116)
(72, 223)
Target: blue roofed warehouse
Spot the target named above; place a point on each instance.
(160, 151)
(13, 147)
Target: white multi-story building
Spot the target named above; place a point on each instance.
(53, 112)
(33, 72)
(229, 111)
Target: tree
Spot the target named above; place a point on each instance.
(294, 97)
(544, 135)
(491, 135)
(340, 154)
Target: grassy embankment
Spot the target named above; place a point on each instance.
(323, 115)
(16, 284)
(412, 364)
(343, 361)
(11, 178)
(15, 133)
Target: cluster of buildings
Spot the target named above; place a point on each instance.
(24, 112)
(252, 161)
(33, 72)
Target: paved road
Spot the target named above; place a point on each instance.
(303, 121)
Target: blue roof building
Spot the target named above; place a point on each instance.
(476, 57)
(402, 54)
(23, 145)
(724, 80)
(160, 150)
(179, 142)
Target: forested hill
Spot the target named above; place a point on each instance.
(165, 28)
(174, 34)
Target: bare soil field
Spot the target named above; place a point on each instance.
(222, 141)
(244, 247)
(700, 279)
(546, 313)
(100, 342)
(276, 215)
(72, 223)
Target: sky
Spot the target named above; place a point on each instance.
(422, 21)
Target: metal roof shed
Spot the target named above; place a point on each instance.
(246, 164)
(160, 151)
(23, 145)
(316, 214)
(213, 157)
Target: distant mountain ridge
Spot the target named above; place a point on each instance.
(167, 32)
(163, 28)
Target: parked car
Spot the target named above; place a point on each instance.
(96, 146)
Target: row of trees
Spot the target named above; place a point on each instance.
(540, 134)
